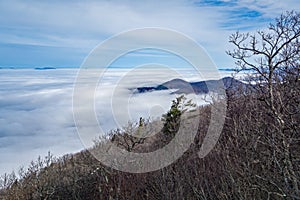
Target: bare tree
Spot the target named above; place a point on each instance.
(273, 55)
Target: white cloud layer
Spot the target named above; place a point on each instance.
(36, 108)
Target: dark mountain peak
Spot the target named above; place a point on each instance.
(176, 80)
(228, 78)
(175, 83)
(201, 87)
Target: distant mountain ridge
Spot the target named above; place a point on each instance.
(44, 68)
(201, 87)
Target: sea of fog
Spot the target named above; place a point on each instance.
(36, 107)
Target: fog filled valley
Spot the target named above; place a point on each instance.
(241, 165)
(36, 108)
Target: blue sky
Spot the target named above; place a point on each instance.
(62, 33)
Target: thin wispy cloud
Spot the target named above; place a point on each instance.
(72, 28)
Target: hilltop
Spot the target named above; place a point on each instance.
(202, 87)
